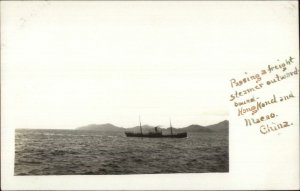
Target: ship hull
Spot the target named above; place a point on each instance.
(159, 135)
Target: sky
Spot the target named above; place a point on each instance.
(69, 64)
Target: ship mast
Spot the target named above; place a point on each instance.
(141, 125)
(171, 127)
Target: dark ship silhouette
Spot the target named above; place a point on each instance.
(156, 134)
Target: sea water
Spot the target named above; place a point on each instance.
(71, 152)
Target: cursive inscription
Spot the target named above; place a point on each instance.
(247, 102)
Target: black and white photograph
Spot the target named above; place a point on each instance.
(148, 95)
(125, 93)
(105, 149)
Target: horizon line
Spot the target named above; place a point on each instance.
(123, 127)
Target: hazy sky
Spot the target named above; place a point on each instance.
(69, 64)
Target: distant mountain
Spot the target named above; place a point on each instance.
(145, 128)
(222, 126)
(101, 127)
(219, 127)
(196, 128)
